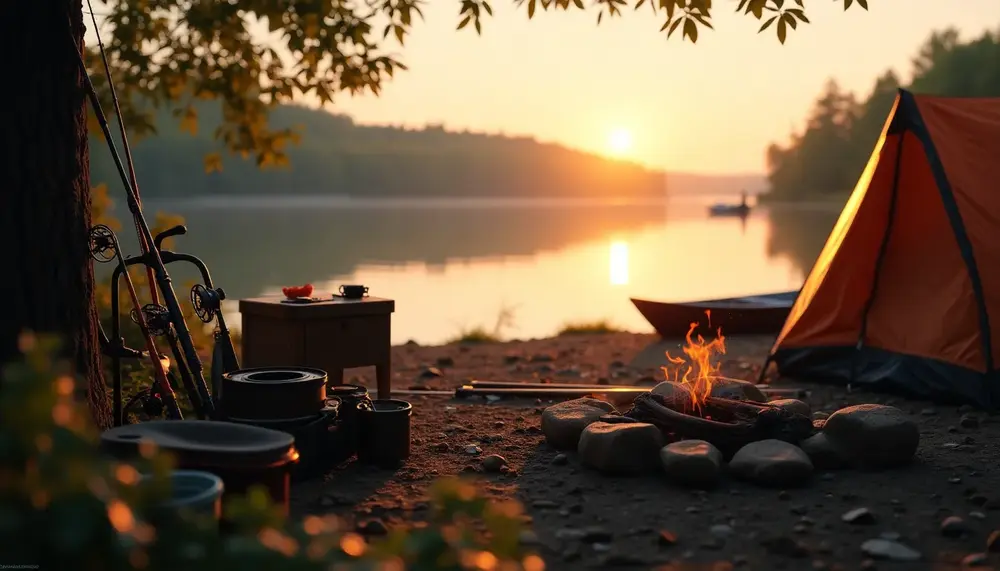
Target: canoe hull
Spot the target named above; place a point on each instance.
(757, 315)
(728, 210)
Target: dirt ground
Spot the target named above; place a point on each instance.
(735, 526)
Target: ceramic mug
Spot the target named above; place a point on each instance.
(353, 291)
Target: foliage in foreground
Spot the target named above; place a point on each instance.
(64, 506)
(171, 53)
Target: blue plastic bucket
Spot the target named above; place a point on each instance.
(195, 492)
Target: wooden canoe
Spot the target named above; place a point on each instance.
(749, 315)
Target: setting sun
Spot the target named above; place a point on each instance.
(620, 141)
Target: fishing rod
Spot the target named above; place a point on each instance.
(143, 245)
(153, 258)
(104, 248)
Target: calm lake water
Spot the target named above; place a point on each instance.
(454, 265)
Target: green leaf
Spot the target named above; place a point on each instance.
(767, 24)
(778, 4)
(531, 8)
(847, 4)
(400, 32)
(479, 28)
(578, 3)
(488, 8)
(863, 4)
(790, 19)
(465, 22)
(782, 31)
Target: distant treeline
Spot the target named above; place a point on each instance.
(338, 157)
(827, 157)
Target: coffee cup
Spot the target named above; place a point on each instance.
(353, 291)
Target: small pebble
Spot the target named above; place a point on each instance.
(862, 516)
(975, 560)
(666, 538)
(954, 526)
(494, 463)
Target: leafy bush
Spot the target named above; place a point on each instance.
(65, 506)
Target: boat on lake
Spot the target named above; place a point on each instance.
(729, 210)
(747, 315)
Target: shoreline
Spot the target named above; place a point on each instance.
(560, 496)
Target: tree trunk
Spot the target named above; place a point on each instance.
(47, 280)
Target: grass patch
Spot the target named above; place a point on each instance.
(589, 328)
(476, 335)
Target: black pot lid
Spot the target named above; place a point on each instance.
(203, 442)
(346, 391)
(276, 375)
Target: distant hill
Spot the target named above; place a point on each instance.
(340, 157)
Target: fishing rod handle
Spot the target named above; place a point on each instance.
(178, 230)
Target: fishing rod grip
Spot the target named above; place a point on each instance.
(178, 230)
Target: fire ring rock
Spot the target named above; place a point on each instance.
(563, 422)
(692, 463)
(772, 463)
(822, 452)
(736, 389)
(873, 436)
(620, 449)
(793, 405)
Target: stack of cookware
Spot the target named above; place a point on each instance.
(330, 423)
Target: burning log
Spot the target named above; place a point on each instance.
(727, 424)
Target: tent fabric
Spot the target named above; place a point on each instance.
(901, 296)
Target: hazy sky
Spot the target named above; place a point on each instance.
(710, 107)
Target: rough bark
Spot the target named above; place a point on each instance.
(48, 279)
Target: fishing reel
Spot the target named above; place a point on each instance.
(207, 302)
(146, 402)
(103, 244)
(157, 318)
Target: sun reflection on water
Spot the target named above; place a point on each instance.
(619, 263)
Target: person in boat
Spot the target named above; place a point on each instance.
(743, 200)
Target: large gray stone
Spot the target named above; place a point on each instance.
(823, 454)
(620, 448)
(772, 463)
(692, 463)
(563, 422)
(873, 436)
(736, 389)
(670, 389)
(793, 405)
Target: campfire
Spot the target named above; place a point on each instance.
(683, 407)
(700, 372)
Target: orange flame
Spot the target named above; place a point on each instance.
(700, 371)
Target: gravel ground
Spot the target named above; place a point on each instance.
(581, 519)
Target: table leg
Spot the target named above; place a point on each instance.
(383, 380)
(335, 377)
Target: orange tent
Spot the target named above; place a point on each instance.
(902, 295)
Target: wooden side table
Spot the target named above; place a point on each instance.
(330, 335)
